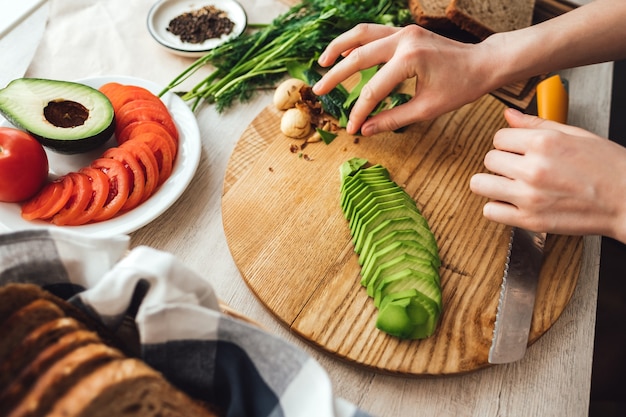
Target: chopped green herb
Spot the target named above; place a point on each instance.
(260, 59)
(327, 137)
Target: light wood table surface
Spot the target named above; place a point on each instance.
(553, 379)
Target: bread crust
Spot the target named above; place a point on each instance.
(63, 374)
(126, 384)
(458, 15)
(434, 19)
(33, 344)
(23, 381)
(23, 321)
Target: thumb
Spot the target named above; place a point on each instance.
(517, 119)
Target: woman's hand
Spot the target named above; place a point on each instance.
(449, 73)
(549, 177)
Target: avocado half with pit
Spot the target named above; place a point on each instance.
(64, 116)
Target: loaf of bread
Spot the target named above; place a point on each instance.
(485, 17)
(55, 361)
(430, 13)
(480, 18)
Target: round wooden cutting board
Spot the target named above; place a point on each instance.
(289, 239)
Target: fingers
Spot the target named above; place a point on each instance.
(501, 212)
(363, 47)
(500, 191)
(361, 50)
(494, 187)
(517, 119)
(360, 35)
(376, 90)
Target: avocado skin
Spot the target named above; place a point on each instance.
(397, 251)
(75, 146)
(24, 100)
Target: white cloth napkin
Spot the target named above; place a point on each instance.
(182, 333)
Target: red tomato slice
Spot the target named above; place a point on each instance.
(119, 187)
(49, 200)
(135, 172)
(161, 151)
(100, 193)
(123, 94)
(139, 103)
(142, 152)
(78, 201)
(140, 127)
(109, 88)
(147, 113)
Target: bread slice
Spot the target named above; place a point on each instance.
(33, 344)
(66, 372)
(19, 324)
(430, 14)
(16, 295)
(126, 387)
(485, 17)
(22, 381)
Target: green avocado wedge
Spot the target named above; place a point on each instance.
(397, 251)
(408, 315)
(64, 116)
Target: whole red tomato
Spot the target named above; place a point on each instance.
(23, 165)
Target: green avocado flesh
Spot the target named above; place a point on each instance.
(65, 116)
(397, 251)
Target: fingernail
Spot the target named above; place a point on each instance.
(368, 130)
(349, 127)
(514, 112)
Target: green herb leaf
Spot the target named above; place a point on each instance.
(366, 76)
(326, 136)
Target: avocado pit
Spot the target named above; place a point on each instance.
(65, 113)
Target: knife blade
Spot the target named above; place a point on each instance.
(525, 254)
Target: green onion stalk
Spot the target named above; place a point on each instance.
(261, 58)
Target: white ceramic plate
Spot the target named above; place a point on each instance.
(163, 11)
(185, 166)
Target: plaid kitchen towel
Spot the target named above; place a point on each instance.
(182, 333)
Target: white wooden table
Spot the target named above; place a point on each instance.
(553, 379)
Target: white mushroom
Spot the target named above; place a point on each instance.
(287, 94)
(296, 123)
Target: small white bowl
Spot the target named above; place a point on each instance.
(163, 11)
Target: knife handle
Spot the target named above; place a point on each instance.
(552, 99)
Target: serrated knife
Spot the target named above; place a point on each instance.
(525, 254)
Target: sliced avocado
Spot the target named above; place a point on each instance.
(384, 215)
(397, 251)
(357, 191)
(374, 170)
(67, 117)
(351, 166)
(420, 277)
(373, 173)
(348, 173)
(357, 180)
(386, 248)
(408, 315)
(423, 234)
(375, 205)
(397, 264)
(392, 251)
(364, 193)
